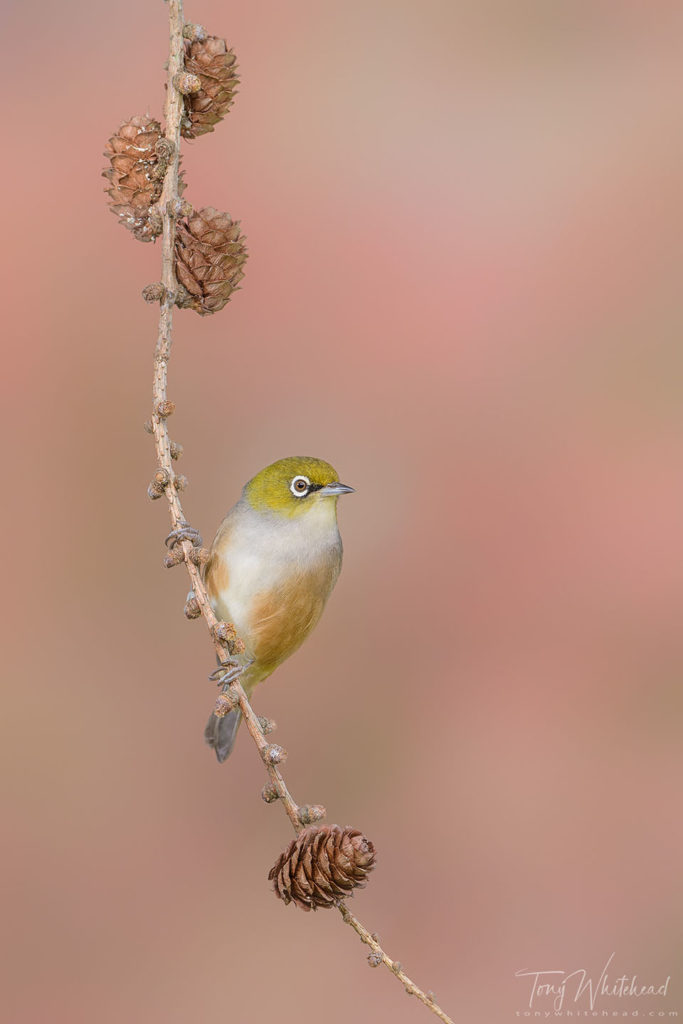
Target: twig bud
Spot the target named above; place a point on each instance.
(154, 292)
(225, 632)
(180, 208)
(158, 485)
(187, 83)
(180, 482)
(269, 793)
(155, 221)
(267, 725)
(375, 959)
(147, 427)
(175, 556)
(164, 149)
(310, 813)
(155, 491)
(165, 408)
(273, 754)
(176, 449)
(195, 33)
(192, 609)
(225, 703)
(199, 556)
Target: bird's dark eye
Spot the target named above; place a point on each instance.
(300, 486)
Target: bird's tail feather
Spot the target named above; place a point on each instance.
(220, 733)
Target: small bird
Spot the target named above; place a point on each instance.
(272, 566)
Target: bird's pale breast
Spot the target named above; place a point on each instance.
(272, 582)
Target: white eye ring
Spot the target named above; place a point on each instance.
(297, 491)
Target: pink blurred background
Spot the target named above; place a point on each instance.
(464, 290)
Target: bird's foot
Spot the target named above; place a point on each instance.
(183, 532)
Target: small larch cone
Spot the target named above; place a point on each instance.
(135, 177)
(322, 865)
(214, 64)
(210, 253)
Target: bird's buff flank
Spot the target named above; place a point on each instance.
(273, 564)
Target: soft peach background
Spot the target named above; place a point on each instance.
(464, 290)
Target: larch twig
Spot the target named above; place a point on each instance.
(169, 483)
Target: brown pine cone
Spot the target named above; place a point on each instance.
(210, 254)
(214, 64)
(322, 865)
(135, 181)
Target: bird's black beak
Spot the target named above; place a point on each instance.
(332, 490)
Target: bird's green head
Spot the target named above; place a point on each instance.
(294, 486)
